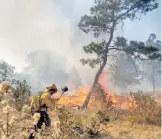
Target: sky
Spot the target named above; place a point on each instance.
(33, 25)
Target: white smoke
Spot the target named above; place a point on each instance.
(31, 26)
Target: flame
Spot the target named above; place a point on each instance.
(79, 95)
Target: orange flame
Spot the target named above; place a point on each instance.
(79, 95)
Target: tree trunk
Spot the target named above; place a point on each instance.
(153, 85)
(85, 104)
(153, 82)
(94, 85)
(153, 77)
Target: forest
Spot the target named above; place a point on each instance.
(114, 93)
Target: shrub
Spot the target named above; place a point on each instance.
(147, 110)
(66, 121)
(6, 86)
(21, 92)
(1, 95)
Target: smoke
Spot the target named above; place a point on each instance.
(46, 67)
(27, 26)
(47, 30)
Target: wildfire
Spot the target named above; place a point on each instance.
(79, 96)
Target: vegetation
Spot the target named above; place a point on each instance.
(7, 72)
(92, 123)
(108, 118)
(105, 18)
(147, 110)
(21, 92)
(124, 72)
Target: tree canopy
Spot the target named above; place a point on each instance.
(7, 72)
(104, 19)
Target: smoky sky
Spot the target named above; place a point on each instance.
(45, 68)
(48, 29)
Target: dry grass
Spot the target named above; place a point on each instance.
(65, 120)
(142, 122)
(147, 110)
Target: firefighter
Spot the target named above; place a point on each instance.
(40, 104)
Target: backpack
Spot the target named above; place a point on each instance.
(37, 100)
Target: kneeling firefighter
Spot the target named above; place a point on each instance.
(41, 103)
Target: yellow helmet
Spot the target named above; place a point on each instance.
(52, 87)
